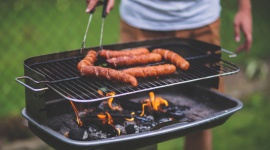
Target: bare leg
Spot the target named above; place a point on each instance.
(200, 140)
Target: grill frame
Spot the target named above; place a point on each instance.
(37, 102)
(86, 89)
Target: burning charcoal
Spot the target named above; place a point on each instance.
(121, 129)
(64, 131)
(78, 134)
(145, 121)
(164, 120)
(56, 123)
(110, 130)
(89, 121)
(144, 128)
(97, 135)
(177, 112)
(93, 129)
(130, 105)
(56, 126)
(132, 128)
(150, 117)
(71, 123)
(129, 122)
(103, 105)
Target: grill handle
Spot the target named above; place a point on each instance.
(18, 79)
(231, 54)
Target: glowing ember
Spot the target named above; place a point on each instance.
(132, 117)
(100, 93)
(78, 120)
(153, 103)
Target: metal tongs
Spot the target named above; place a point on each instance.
(104, 13)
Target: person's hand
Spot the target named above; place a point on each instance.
(243, 23)
(92, 3)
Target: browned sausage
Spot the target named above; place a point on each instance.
(109, 74)
(132, 60)
(111, 54)
(88, 60)
(151, 71)
(174, 58)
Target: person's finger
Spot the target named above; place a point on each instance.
(237, 31)
(241, 48)
(91, 5)
(248, 38)
(110, 6)
(248, 41)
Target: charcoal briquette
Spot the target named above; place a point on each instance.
(78, 134)
(131, 128)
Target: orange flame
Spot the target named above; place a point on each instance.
(106, 118)
(111, 100)
(153, 103)
(78, 120)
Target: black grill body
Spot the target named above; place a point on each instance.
(57, 75)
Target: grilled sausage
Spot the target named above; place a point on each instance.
(151, 71)
(132, 60)
(88, 60)
(109, 74)
(111, 54)
(174, 58)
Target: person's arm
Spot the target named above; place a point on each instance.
(243, 23)
(92, 3)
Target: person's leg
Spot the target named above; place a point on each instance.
(200, 140)
(209, 33)
(203, 140)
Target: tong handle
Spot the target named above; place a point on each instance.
(104, 13)
(231, 54)
(18, 79)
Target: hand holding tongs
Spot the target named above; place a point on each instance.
(104, 13)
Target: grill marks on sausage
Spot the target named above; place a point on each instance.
(151, 71)
(109, 74)
(133, 60)
(88, 60)
(111, 54)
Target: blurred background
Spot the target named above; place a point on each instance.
(33, 27)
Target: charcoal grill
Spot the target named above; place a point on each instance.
(51, 80)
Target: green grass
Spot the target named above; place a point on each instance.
(248, 128)
(32, 28)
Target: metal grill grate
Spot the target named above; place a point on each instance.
(61, 74)
(64, 78)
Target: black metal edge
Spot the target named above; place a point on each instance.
(211, 121)
(76, 52)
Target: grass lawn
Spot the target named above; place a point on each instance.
(31, 28)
